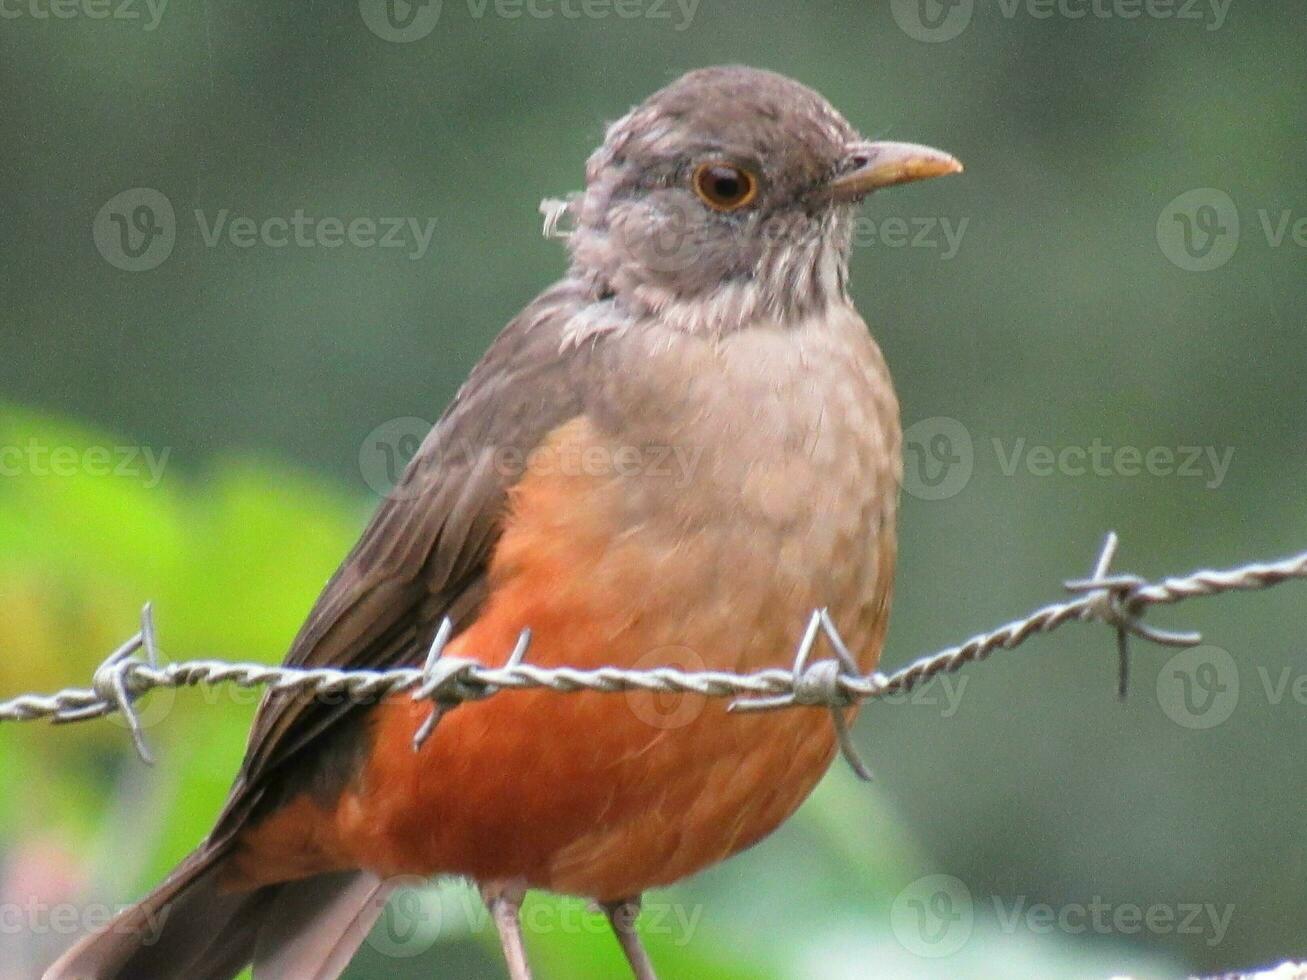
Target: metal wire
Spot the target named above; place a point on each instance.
(833, 683)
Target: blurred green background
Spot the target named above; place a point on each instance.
(195, 415)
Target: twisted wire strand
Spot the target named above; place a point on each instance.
(833, 683)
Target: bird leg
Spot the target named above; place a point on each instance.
(622, 916)
(504, 902)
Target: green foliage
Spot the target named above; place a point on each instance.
(231, 563)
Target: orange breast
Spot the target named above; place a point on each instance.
(601, 795)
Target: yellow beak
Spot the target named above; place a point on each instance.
(877, 165)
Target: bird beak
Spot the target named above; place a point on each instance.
(876, 165)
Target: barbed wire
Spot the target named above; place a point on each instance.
(833, 683)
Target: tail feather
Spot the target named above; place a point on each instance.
(315, 926)
(170, 927)
(193, 927)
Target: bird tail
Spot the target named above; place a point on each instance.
(195, 927)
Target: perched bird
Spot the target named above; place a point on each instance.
(673, 455)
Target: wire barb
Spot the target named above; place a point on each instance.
(1113, 599)
(819, 684)
(116, 685)
(833, 683)
(449, 681)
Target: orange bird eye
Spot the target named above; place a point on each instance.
(724, 187)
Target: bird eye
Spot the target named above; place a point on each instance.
(724, 187)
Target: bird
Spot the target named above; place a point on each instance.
(674, 454)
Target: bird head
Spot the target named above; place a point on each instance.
(728, 195)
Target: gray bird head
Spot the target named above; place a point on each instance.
(727, 196)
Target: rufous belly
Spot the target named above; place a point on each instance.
(599, 794)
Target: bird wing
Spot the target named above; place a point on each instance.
(424, 554)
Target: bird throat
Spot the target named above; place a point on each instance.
(797, 277)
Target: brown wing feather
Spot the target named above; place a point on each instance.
(423, 555)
